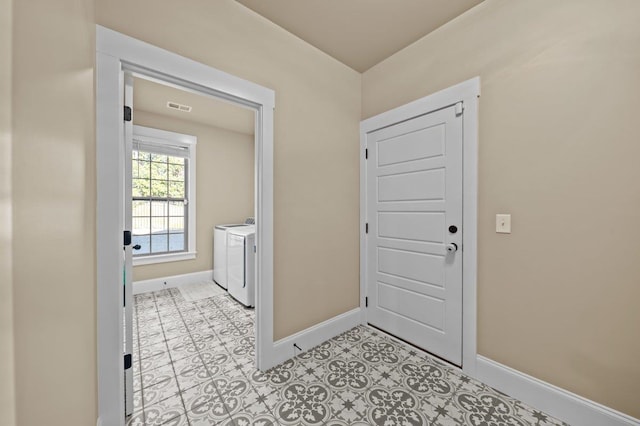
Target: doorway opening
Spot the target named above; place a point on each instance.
(154, 209)
(190, 268)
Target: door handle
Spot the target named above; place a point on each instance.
(137, 247)
(452, 247)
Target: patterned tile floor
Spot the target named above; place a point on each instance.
(194, 366)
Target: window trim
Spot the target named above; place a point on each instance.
(165, 137)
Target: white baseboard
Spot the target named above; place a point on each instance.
(156, 284)
(543, 396)
(306, 339)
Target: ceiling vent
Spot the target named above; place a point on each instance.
(178, 107)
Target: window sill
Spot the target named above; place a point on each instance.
(162, 258)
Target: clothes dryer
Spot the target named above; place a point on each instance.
(241, 264)
(220, 251)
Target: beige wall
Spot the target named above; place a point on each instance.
(316, 141)
(7, 397)
(54, 212)
(224, 187)
(557, 298)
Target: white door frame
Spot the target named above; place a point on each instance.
(116, 53)
(468, 93)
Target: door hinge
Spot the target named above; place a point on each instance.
(366, 302)
(127, 361)
(366, 228)
(459, 108)
(127, 238)
(127, 113)
(366, 153)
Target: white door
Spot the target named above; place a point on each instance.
(128, 260)
(414, 239)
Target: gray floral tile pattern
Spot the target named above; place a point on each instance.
(304, 404)
(194, 366)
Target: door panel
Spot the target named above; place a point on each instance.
(414, 193)
(417, 226)
(423, 309)
(417, 145)
(421, 267)
(412, 186)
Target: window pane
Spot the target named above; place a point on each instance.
(134, 168)
(176, 189)
(141, 208)
(158, 188)
(159, 171)
(176, 208)
(176, 224)
(161, 158)
(159, 243)
(144, 169)
(176, 160)
(158, 224)
(159, 208)
(176, 242)
(140, 225)
(144, 241)
(140, 188)
(176, 172)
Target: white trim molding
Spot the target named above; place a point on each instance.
(552, 400)
(117, 54)
(306, 339)
(156, 284)
(468, 93)
(164, 257)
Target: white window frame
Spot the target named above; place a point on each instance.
(164, 137)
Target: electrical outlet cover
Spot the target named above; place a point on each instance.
(503, 223)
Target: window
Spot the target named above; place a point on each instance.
(162, 195)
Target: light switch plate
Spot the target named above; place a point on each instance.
(503, 223)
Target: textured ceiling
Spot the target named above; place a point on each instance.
(360, 33)
(152, 97)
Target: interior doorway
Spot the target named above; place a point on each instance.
(120, 59)
(189, 169)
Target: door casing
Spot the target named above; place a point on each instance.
(468, 93)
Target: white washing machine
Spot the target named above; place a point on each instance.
(220, 251)
(241, 264)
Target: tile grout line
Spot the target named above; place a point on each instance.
(436, 410)
(219, 308)
(351, 345)
(170, 358)
(448, 401)
(201, 359)
(390, 341)
(180, 390)
(242, 371)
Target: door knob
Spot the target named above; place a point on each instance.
(452, 248)
(137, 247)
